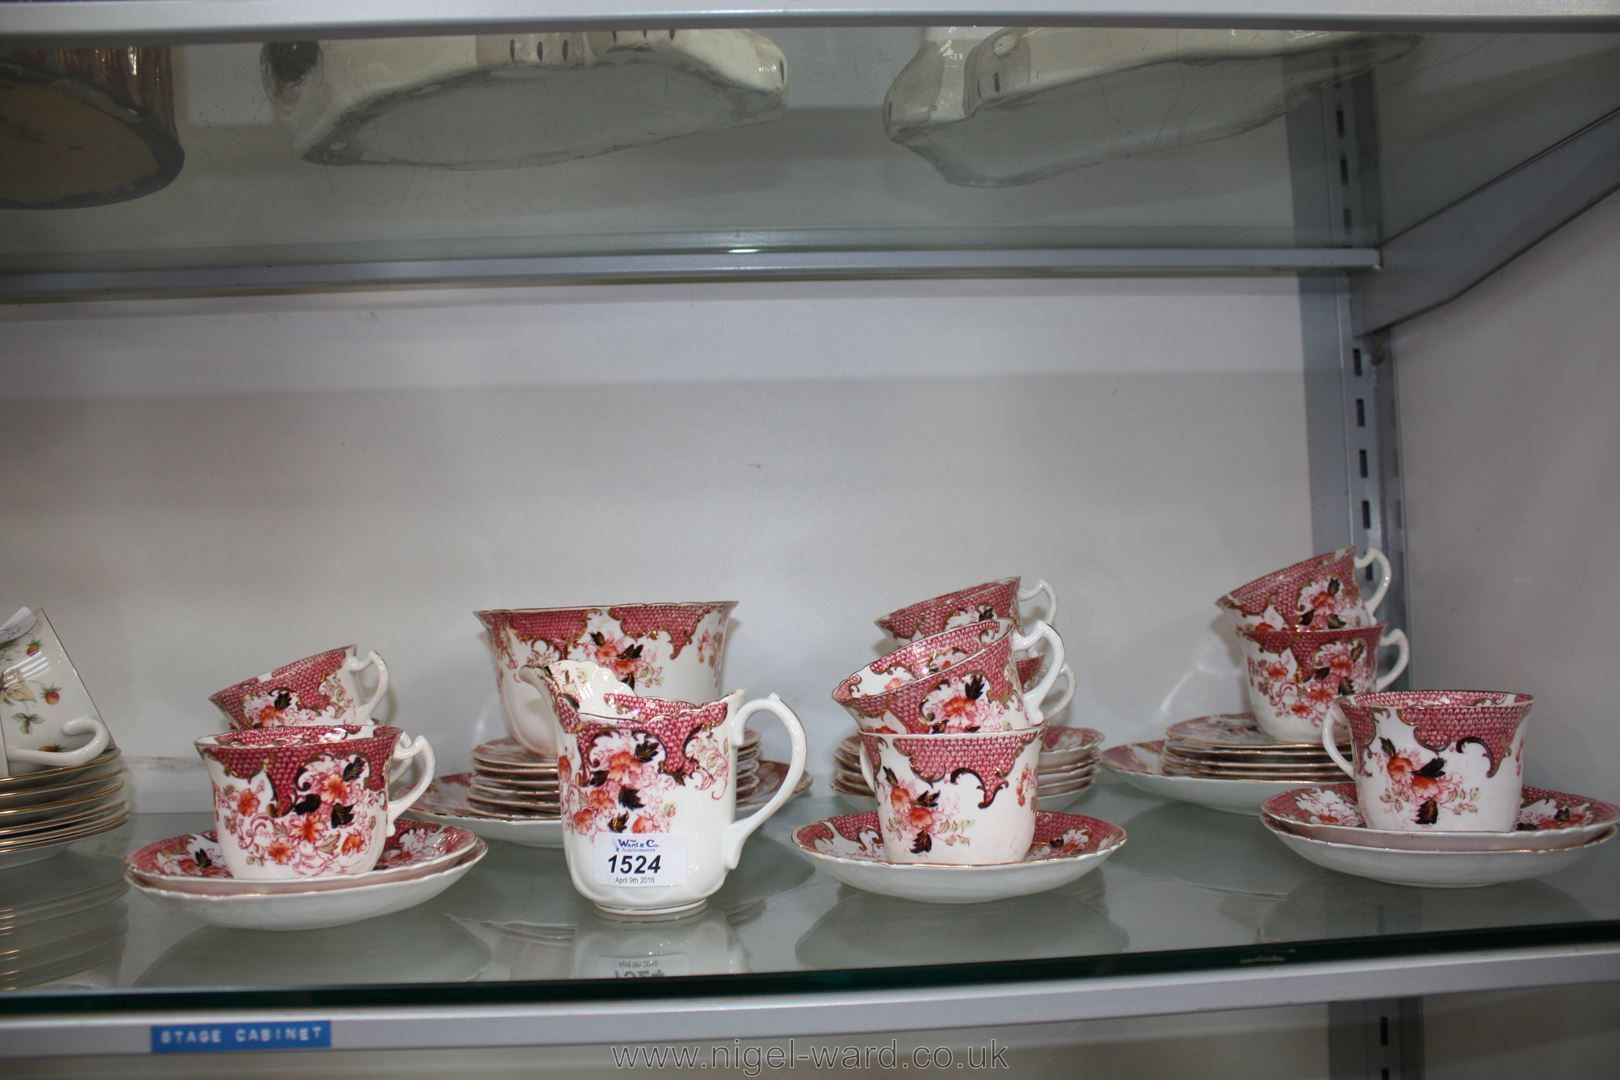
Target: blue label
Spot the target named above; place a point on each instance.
(261, 1035)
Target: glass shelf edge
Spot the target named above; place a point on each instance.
(57, 285)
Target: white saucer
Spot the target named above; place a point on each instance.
(1547, 819)
(445, 802)
(1433, 869)
(191, 862)
(311, 909)
(1141, 766)
(849, 849)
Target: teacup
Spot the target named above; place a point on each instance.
(307, 801)
(1319, 593)
(961, 680)
(649, 792)
(984, 602)
(46, 707)
(1437, 760)
(1295, 675)
(978, 603)
(669, 649)
(319, 689)
(965, 800)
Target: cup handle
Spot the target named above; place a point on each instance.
(866, 768)
(1384, 576)
(398, 806)
(1396, 638)
(739, 831)
(1055, 666)
(1037, 589)
(362, 714)
(64, 758)
(1067, 674)
(1330, 723)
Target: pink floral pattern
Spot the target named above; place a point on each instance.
(329, 828)
(307, 691)
(1301, 673)
(951, 682)
(1419, 785)
(1540, 809)
(1442, 719)
(197, 855)
(617, 637)
(988, 600)
(924, 815)
(1319, 593)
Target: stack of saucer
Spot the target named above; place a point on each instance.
(1068, 768)
(511, 780)
(1232, 747)
(42, 812)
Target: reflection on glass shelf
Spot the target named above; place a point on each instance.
(994, 107)
(1188, 884)
(822, 174)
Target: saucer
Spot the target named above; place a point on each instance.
(1142, 766)
(770, 775)
(192, 863)
(253, 908)
(1547, 820)
(1066, 847)
(1434, 869)
(1236, 731)
(509, 755)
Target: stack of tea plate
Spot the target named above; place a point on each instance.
(1068, 768)
(1224, 762)
(42, 812)
(510, 780)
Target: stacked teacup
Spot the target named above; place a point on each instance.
(949, 738)
(1309, 637)
(302, 808)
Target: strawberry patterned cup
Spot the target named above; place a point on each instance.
(649, 795)
(980, 603)
(669, 649)
(319, 689)
(47, 710)
(1437, 760)
(307, 801)
(962, 800)
(1319, 593)
(962, 680)
(1295, 675)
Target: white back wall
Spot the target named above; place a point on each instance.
(1512, 462)
(202, 489)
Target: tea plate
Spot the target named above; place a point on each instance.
(1547, 820)
(445, 801)
(1235, 731)
(34, 782)
(310, 909)
(1433, 869)
(192, 863)
(1142, 766)
(1066, 848)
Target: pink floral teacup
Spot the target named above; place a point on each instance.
(307, 801)
(962, 680)
(977, 603)
(965, 800)
(1437, 760)
(319, 689)
(985, 602)
(649, 792)
(1295, 675)
(669, 649)
(1319, 593)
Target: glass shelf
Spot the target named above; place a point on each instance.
(1192, 891)
(1448, 112)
